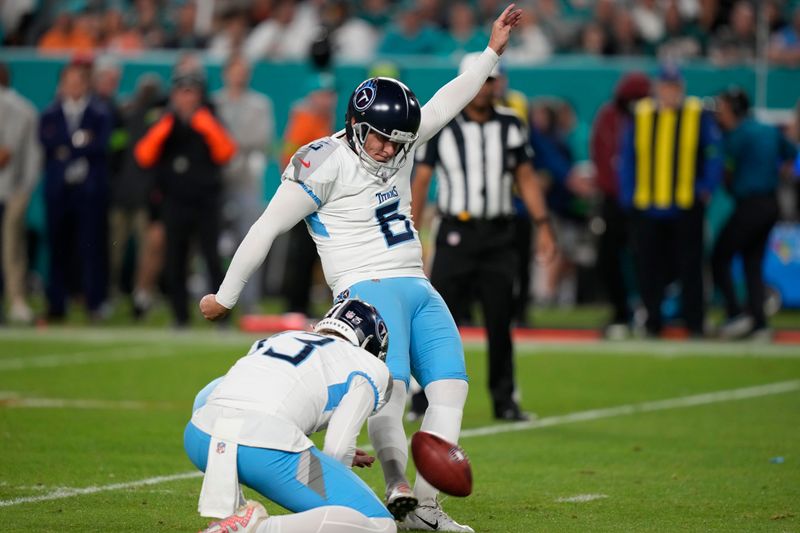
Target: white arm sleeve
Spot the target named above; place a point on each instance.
(346, 421)
(455, 95)
(290, 205)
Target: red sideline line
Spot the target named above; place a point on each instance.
(274, 323)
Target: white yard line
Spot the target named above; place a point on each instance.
(129, 334)
(9, 399)
(581, 498)
(105, 355)
(72, 492)
(580, 416)
(659, 349)
(645, 407)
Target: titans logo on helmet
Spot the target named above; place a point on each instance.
(365, 95)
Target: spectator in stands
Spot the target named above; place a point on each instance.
(410, 35)
(231, 38)
(530, 43)
(563, 32)
(670, 165)
(117, 36)
(188, 147)
(310, 119)
(677, 44)
(648, 19)
(147, 22)
(20, 167)
(593, 40)
(15, 19)
(773, 12)
(609, 125)
(754, 153)
(605, 11)
(352, 38)
(376, 12)
(431, 12)
(626, 40)
(784, 48)
(287, 34)
(68, 34)
(74, 131)
(736, 42)
(707, 22)
(463, 34)
(249, 117)
(185, 34)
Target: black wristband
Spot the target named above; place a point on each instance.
(542, 221)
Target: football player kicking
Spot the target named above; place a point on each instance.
(251, 427)
(353, 190)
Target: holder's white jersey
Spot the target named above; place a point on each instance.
(287, 387)
(362, 226)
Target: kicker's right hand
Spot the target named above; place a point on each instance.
(211, 308)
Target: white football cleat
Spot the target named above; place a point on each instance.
(400, 500)
(246, 519)
(431, 518)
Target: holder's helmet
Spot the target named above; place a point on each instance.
(358, 322)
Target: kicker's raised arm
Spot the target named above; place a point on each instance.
(450, 99)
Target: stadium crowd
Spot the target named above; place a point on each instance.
(122, 217)
(726, 31)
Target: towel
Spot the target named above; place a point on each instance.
(221, 494)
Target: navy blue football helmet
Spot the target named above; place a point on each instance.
(389, 108)
(358, 322)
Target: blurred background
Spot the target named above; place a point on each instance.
(111, 216)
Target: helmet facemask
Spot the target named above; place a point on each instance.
(384, 170)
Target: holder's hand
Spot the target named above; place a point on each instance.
(362, 459)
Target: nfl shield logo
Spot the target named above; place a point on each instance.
(220, 447)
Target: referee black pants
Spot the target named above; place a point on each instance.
(478, 258)
(666, 247)
(746, 233)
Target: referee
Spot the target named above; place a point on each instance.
(478, 156)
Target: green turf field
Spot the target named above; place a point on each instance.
(641, 436)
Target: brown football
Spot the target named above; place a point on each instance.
(443, 464)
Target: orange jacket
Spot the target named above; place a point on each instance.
(220, 143)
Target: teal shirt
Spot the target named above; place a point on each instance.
(476, 42)
(425, 41)
(754, 153)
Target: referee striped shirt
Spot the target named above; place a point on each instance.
(475, 162)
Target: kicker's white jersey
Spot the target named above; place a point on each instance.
(362, 226)
(287, 387)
